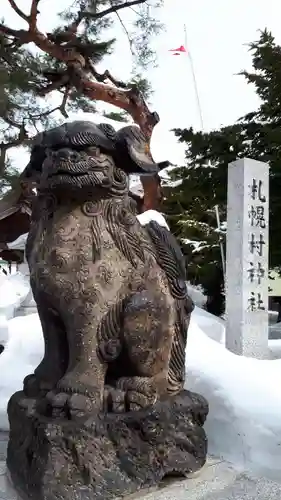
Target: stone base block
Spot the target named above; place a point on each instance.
(107, 456)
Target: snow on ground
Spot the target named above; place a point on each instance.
(244, 423)
(14, 289)
(196, 294)
(22, 353)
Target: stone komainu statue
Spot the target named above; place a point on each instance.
(105, 412)
(111, 294)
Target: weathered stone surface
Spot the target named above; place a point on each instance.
(105, 457)
(104, 414)
(247, 258)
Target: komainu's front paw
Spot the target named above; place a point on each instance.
(69, 406)
(139, 392)
(34, 386)
(135, 401)
(113, 400)
(74, 398)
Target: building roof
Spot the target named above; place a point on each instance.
(15, 200)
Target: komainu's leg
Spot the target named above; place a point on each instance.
(55, 360)
(81, 388)
(148, 333)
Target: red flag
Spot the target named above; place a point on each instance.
(178, 51)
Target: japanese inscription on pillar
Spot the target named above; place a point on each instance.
(247, 258)
(257, 246)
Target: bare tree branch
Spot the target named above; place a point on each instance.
(17, 10)
(112, 9)
(19, 34)
(70, 31)
(126, 32)
(33, 15)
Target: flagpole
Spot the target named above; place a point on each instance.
(216, 208)
(194, 79)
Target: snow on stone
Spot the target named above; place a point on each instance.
(152, 215)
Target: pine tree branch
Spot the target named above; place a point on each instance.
(18, 11)
(111, 10)
(18, 34)
(101, 77)
(33, 15)
(60, 108)
(71, 30)
(11, 122)
(76, 75)
(126, 32)
(22, 137)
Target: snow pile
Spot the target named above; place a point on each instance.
(212, 326)
(196, 294)
(14, 288)
(4, 330)
(244, 424)
(22, 353)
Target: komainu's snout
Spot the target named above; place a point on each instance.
(82, 154)
(69, 169)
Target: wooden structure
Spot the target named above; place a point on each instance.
(15, 212)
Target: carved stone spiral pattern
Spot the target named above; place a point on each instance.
(109, 332)
(170, 258)
(108, 130)
(126, 232)
(119, 183)
(91, 208)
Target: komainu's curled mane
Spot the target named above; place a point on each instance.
(111, 294)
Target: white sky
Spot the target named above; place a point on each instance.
(217, 31)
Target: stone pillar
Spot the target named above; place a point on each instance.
(247, 258)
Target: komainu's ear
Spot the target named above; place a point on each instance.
(132, 153)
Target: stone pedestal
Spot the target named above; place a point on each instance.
(107, 456)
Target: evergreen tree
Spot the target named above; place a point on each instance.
(64, 63)
(190, 204)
